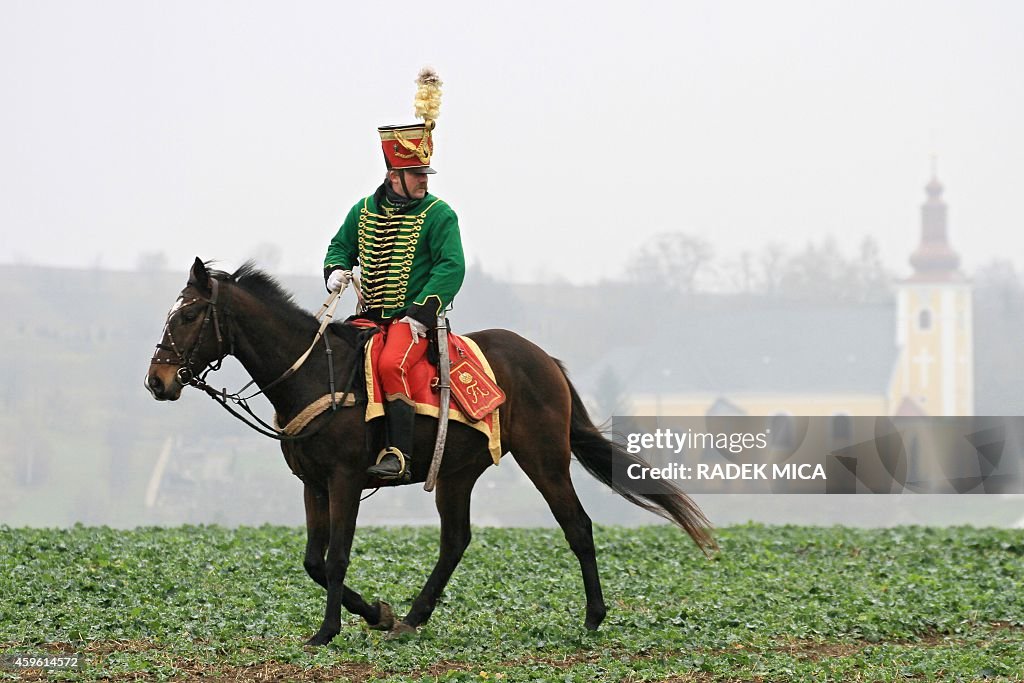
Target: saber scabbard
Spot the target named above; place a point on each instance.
(444, 367)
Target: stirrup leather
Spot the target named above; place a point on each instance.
(398, 454)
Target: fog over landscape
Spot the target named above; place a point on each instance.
(625, 177)
(85, 442)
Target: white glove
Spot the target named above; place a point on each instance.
(337, 278)
(418, 328)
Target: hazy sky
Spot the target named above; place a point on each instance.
(569, 132)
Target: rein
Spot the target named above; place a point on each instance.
(187, 376)
(327, 311)
(224, 399)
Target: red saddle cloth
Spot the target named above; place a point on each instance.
(475, 395)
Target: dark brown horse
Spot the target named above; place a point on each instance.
(543, 422)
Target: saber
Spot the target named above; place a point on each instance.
(444, 368)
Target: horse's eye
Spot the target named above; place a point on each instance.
(189, 315)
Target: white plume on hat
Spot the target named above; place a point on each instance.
(428, 96)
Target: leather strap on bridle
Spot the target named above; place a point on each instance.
(187, 376)
(184, 360)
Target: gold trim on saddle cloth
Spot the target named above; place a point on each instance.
(375, 408)
(311, 412)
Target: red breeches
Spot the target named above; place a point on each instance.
(402, 350)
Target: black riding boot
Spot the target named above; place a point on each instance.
(394, 461)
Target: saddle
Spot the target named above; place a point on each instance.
(475, 394)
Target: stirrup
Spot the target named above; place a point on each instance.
(390, 476)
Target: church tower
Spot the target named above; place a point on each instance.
(934, 327)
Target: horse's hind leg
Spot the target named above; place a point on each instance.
(549, 472)
(452, 500)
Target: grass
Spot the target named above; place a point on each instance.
(777, 604)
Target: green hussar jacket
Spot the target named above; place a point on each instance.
(410, 257)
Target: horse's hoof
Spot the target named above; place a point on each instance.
(401, 630)
(594, 617)
(321, 638)
(387, 617)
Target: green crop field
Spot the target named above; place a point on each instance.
(777, 604)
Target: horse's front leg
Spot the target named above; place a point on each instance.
(318, 534)
(343, 506)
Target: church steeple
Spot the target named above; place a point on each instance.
(934, 329)
(934, 259)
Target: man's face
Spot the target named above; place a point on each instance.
(415, 182)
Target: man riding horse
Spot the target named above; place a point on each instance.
(407, 245)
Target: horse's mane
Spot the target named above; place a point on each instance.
(268, 290)
(264, 287)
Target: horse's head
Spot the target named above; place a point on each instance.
(193, 337)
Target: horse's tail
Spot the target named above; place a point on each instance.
(608, 462)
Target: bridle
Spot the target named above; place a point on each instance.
(188, 377)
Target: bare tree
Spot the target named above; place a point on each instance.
(998, 285)
(772, 262)
(822, 273)
(815, 273)
(871, 276)
(672, 261)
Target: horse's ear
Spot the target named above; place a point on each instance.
(200, 276)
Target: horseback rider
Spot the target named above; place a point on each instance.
(407, 245)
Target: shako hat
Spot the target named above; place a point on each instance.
(410, 147)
